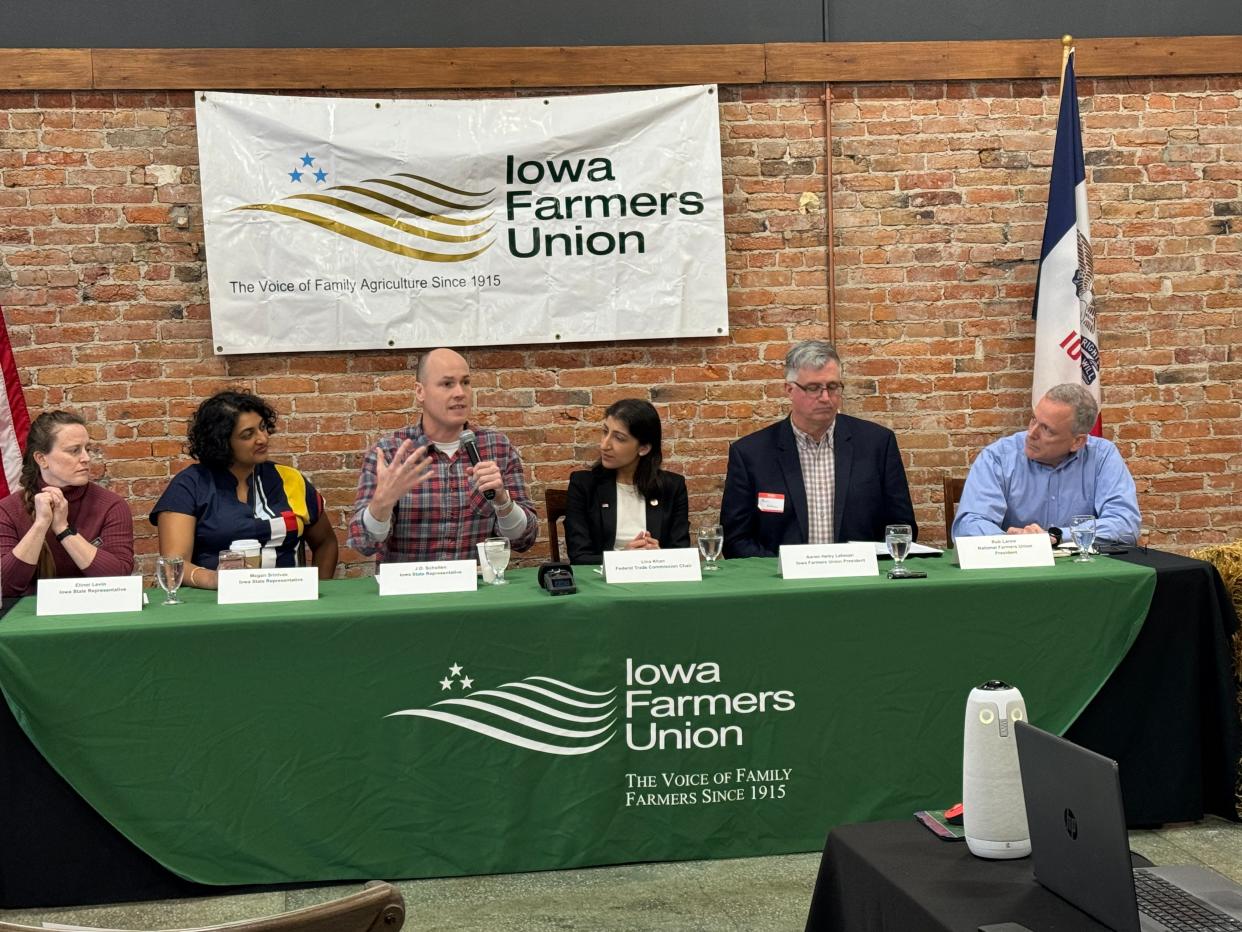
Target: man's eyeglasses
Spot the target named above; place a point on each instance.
(815, 389)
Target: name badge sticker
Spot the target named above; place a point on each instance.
(772, 502)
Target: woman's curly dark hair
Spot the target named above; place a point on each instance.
(211, 427)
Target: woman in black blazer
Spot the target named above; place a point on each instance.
(626, 486)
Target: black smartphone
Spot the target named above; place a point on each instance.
(908, 574)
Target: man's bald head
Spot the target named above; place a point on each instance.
(443, 392)
(439, 356)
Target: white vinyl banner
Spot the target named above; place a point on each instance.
(358, 224)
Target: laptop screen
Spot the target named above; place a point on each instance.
(1079, 846)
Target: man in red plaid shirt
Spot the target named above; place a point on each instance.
(419, 498)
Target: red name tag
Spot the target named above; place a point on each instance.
(773, 502)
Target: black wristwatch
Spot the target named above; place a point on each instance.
(67, 532)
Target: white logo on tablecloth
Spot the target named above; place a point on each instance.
(538, 713)
(662, 710)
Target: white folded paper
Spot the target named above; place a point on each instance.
(916, 550)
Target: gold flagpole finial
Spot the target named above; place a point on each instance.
(1067, 40)
(1067, 46)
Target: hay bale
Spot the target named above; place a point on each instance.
(1227, 558)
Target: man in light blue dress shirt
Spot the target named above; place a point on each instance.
(1042, 477)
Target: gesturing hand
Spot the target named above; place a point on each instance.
(408, 469)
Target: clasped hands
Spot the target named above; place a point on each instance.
(1029, 529)
(51, 509)
(643, 541)
(411, 466)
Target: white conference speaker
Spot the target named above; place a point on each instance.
(993, 811)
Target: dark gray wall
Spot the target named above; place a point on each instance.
(908, 20)
(438, 23)
(402, 23)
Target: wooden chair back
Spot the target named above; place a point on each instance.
(378, 907)
(952, 496)
(555, 502)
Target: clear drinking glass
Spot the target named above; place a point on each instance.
(1082, 530)
(898, 538)
(231, 560)
(496, 552)
(168, 572)
(711, 542)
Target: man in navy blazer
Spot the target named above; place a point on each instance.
(818, 476)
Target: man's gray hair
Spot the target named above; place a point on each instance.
(1086, 410)
(809, 354)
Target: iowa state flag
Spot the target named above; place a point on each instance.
(1067, 348)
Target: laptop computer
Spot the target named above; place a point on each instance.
(1081, 852)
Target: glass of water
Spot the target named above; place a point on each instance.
(168, 573)
(898, 538)
(1082, 530)
(711, 542)
(496, 552)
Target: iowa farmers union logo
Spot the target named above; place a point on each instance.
(556, 207)
(410, 215)
(663, 707)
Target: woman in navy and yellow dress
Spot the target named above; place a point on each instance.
(234, 492)
(626, 501)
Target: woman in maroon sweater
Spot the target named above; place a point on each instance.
(60, 524)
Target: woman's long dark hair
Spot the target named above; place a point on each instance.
(211, 427)
(40, 439)
(642, 422)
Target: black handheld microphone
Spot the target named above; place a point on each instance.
(1056, 534)
(472, 451)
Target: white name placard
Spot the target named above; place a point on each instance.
(1002, 551)
(823, 561)
(91, 596)
(291, 584)
(637, 566)
(426, 577)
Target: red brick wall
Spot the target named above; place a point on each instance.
(937, 193)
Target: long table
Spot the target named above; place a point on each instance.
(740, 716)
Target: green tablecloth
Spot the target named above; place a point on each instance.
(744, 715)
